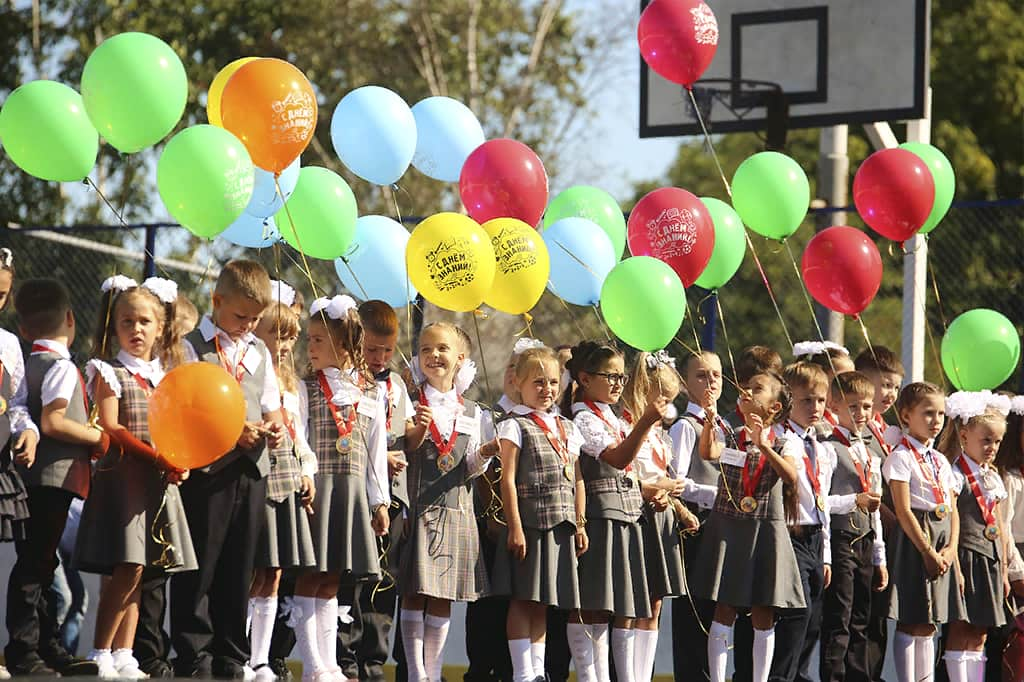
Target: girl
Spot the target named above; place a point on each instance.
(613, 580)
(924, 541)
(746, 558)
(287, 541)
(345, 423)
(665, 516)
(543, 499)
(441, 560)
(133, 517)
(1009, 462)
(977, 605)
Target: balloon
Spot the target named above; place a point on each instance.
(266, 201)
(205, 179)
(216, 90)
(504, 179)
(446, 132)
(730, 245)
(523, 266)
(643, 302)
(196, 415)
(678, 39)
(252, 232)
(980, 350)
(374, 267)
(450, 260)
(771, 194)
(46, 132)
(942, 175)
(134, 88)
(374, 134)
(593, 204)
(581, 255)
(842, 269)
(672, 225)
(271, 107)
(319, 219)
(894, 193)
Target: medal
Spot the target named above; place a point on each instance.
(941, 511)
(986, 506)
(751, 479)
(819, 502)
(992, 532)
(568, 471)
(343, 445)
(445, 459)
(446, 462)
(748, 504)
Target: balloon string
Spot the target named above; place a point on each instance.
(928, 327)
(600, 320)
(693, 323)
(768, 286)
(707, 140)
(483, 361)
(120, 219)
(807, 300)
(728, 346)
(569, 310)
(871, 347)
(355, 278)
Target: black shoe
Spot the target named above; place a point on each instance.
(198, 669)
(281, 669)
(71, 666)
(157, 669)
(31, 666)
(227, 669)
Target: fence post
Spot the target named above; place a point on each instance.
(149, 265)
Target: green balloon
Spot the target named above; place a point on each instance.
(643, 302)
(945, 181)
(980, 350)
(730, 245)
(596, 205)
(771, 194)
(319, 219)
(45, 131)
(135, 88)
(205, 178)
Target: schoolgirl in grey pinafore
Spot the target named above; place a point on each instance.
(613, 570)
(132, 516)
(13, 419)
(546, 496)
(746, 559)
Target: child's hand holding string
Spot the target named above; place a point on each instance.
(423, 415)
(176, 476)
(274, 433)
(250, 435)
(655, 410)
(758, 431)
(869, 501)
(710, 407)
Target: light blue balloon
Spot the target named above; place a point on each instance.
(252, 231)
(374, 267)
(265, 200)
(582, 255)
(447, 131)
(374, 134)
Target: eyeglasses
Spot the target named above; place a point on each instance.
(611, 378)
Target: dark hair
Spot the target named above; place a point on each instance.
(826, 359)
(42, 306)
(1011, 453)
(755, 360)
(587, 356)
(784, 396)
(880, 360)
(378, 318)
(7, 265)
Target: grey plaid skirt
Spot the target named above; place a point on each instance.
(343, 539)
(287, 541)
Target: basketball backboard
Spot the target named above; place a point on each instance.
(836, 61)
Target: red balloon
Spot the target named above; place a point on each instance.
(504, 179)
(678, 39)
(842, 269)
(894, 192)
(675, 227)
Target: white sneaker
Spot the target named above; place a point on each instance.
(127, 666)
(105, 663)
(4, 674)
(248, 674)
(264, 673)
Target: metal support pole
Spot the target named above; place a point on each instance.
(915, 273)
(149, 265)
(833, 178)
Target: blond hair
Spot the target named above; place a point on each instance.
(526, 363)
(805, 374)
(643, 378)
(245, 278)
(285, 323)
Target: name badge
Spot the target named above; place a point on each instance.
(468, 425)
(367, 409)
(734, 457)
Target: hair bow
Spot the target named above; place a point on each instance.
(524, 344)
(807, 348)
(964, 405)
(1017, 404)
(336, 307)
(660, 357)
(164, 289)
(6, 257)
(464, 377)
(1000, 403)
(282, 292)
(118, 283)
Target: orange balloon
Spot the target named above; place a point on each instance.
(217, 89)
(196, 415)
(271, 107)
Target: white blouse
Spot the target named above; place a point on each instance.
(596, 436)
(902, 465)
(14, 365)
(510, 430)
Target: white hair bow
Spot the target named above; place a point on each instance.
(118, 283)
(660, 357)
(1000, 403)
(282, 292)
(808, 348)
(1017, 404)
(965, 405)
(336, 307)
(524, 344)
(164, 289)
(6, 257)
(464, 377)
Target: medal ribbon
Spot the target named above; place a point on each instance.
(751, 479)
(559, 443)
(615, 430)
(987, 508)
(865, 477)
(144, 384)
(238, 371)
(344, 425)
(876, 431)
(40, 348)
(287, 418)
(443, 447)
(387, 405)
(812, 468)
(932, 478)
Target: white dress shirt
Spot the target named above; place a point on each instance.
(684, 441)
(291, 405)
(235, 352)
(647, 469)
(510, 430)
(808, 512)
(845, 504)
(596, 436)
(902, 465)
(14, 365)
(446, 410)
(1013, 481)
(60, 380)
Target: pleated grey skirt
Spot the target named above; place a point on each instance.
(547, 575)
(663, 552)
(745, 563)
(915, 598)
(613, 571)
(13, 503)
(982, 601)
(343, 540)
(441, 556)
(287, 541)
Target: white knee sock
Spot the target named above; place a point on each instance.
(623, 653)
(327, 631)
(582, 651)
(435, 632)
(304, 619)
(522, 660)
(976, 666)
(645, 645)
(264, 611)
(719, 641)
(956, 666)
(764, 652)
(903, 656)
(537, 650)
(248, 614)
(412, 640)
(924, 658)
(599, 640)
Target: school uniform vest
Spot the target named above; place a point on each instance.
(428, 485)
(701, 471)
(285, 477)
(323, 432)
(846, 481)
(58, 464)
(396, 440)
(612, 493)
(546, 496)
(7, 392)
(972, 526)
(252, 389)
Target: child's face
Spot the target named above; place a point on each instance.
(887, 388)
(605, 384)
(236, 315)
(980, 441)
(759, 397)
(808, 404)
(852, 411)
(440, 356)
(186, 322)
(139, 323)
(6, 282)
(280, 346)
(925, 419)
(322, 353)
(378, 350)
(702, 373)
(539, 388)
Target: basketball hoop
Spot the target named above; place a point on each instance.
(741, 97)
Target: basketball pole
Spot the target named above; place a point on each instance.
(833, 178)
(915, 270)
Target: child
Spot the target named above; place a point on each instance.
(747, 559)
(441, 561)
(226, 501)
(830, 356)
(346, 423)
(1009, 462)
(286, 542)
(54, 474)
(134, 517)
(858, 549)
(543, 500)
(613, 573)
(186, 317)
(924, 542)
(982, 553)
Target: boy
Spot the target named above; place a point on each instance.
(858, 550)
(225, 501)
(54, 473)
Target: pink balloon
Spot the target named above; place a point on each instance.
(894, 192)
(675, 227)
(504, 179)
(678, 39)
(842, 269)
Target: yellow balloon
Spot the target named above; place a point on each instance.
(522, 266)
(217, 89)
(450, 261)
